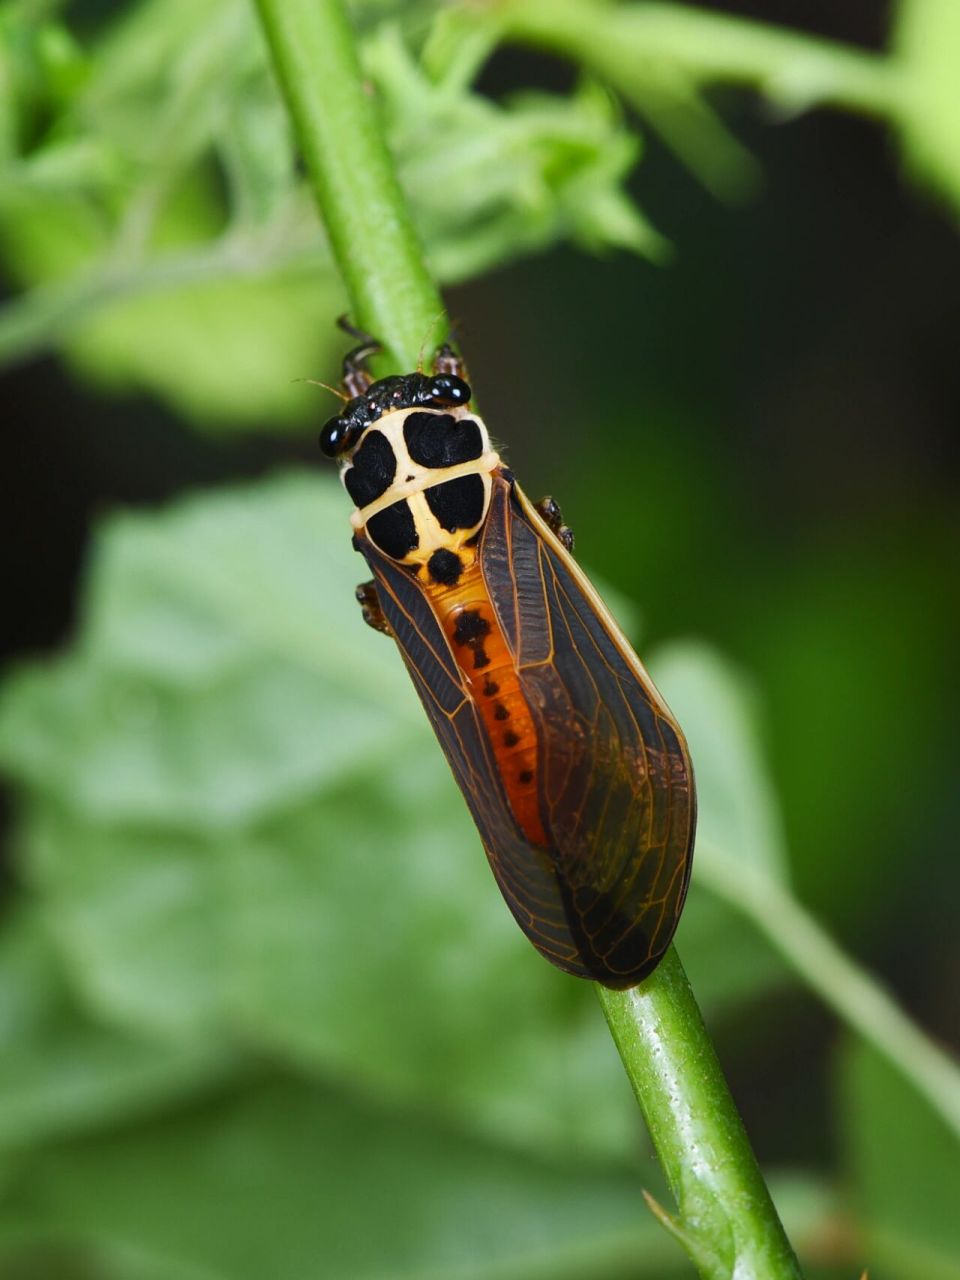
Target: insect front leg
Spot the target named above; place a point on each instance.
(549, 509)
(356, 376)
(369, 603)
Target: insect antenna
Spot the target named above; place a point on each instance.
(315, 382)
(426, 337)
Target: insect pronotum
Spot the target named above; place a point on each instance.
(575, 772)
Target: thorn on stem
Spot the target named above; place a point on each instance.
(667, 1220)
(702, 1255)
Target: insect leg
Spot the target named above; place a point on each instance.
(549, 509)
(356, 376)
(448, 361)
(369, 603)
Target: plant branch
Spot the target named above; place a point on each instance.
(631, 44)
(337, 126)
(838, 981)
(727, 1221)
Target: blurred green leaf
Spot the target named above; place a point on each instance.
(739, 857)
(226, 672)
(489, 181)
(63, 1074)
(216, 331)
(737, 809)
(162, 208)
(224, 353)
(288, 1180)
(240, 824)
(904, 1166)
(728, 965)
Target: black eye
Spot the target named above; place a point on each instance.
(337, 436)
(447, 391)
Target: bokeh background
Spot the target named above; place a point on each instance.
(261, 1009)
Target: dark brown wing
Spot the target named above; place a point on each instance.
(526, 875)
(617, 791)
(616, 787)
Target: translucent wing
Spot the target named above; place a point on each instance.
(526, 875)
(617, 792)
(602, 899)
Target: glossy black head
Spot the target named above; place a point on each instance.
(413, 390)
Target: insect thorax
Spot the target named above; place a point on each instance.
(420, 479)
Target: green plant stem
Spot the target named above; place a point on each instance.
(838, 981)
(726, 1219)
(627, 43)
(336, 122)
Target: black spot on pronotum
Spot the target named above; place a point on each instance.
(445, 567)
(373, 470)
(457, 504)
(439, 440)
(510, 739)
(394, 531)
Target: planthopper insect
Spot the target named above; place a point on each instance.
(573, 768)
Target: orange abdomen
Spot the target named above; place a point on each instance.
(470, 624)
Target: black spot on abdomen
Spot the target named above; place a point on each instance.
(445, 567)
(394, 531)
(457, 504)
(470, 630)
(470, 625)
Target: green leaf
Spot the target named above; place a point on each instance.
(144, 267)
(240, 824)
(737, 811)
(225, 354)
(226, 670)
(213, 328)
(489, 181)
(739, 858)
(904, 1165)
(728, 965)
(61, 1073)
(287, 1179)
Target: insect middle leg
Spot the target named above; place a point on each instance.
(369, 603)
(549, 509)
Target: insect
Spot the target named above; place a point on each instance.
(575, 772)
